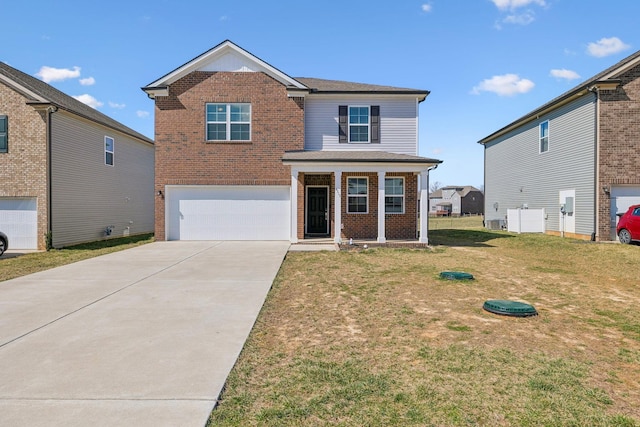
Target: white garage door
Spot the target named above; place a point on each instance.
(19, 221)
(621, 199)
(228, 212)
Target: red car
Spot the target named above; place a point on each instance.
(629, 225)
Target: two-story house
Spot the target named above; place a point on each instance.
(246, 152)
(68, 173)
(576, 157)
(456, 200)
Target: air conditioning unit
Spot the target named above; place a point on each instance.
(495, 224)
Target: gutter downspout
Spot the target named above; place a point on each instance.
(596, 194)
(49, 235)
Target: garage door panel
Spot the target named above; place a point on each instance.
(228, 213)
(621, 199)
(19, 221)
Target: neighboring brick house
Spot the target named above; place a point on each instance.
(579, 151)
(456, 201)
(246, 152)
(67, 171)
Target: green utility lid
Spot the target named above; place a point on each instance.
(509, 308)
(456, 275)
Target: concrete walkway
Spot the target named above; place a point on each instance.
(142, 337)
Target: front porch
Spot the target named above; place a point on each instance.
(374, 197)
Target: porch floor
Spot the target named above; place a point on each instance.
(360, 243)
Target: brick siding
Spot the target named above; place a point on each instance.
(619, 147)
(363, 226)
(183, 156)
(23, 169)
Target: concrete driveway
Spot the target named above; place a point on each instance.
(142, 337)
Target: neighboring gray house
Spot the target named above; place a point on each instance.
(576, 157)
(456, 200)
(68, 172)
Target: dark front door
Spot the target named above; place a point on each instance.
(317, 210)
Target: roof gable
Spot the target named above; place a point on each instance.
(227, 56)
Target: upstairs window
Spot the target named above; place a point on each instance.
(4, 134)
(228, 122)
(357, 195)
(108, 150)
(394, 195)
(544, 136)
(359, 124)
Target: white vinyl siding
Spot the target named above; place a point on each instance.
(398, 124)
(517, 175)
(87, 197)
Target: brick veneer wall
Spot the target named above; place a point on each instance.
(183, 156)
(23, 169)
(619, 148)
(365, 226)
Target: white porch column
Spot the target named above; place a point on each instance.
(294, 206)
(424, 206)
(381, 210)
(337, 206)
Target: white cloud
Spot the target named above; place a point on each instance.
(564, 74)
(89, 81)
(505, 85)
(437, 151)
(515, 4)
(50, 74)
(427, 7)
(521, 19)
(89, 100)
(223, 18)
(606, 47)
(116, 105)
(142, 114)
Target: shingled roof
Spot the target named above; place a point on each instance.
(354, 157)
(338, 86)
(39, 92)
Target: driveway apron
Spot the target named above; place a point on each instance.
(142, 337)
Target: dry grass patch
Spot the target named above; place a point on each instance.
(376, 338)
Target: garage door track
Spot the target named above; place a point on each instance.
(142, 337)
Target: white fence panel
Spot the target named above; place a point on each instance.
(525, 220)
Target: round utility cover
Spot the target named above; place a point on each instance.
(456, 275)
(509, 308)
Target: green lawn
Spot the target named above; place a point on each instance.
(374, 337)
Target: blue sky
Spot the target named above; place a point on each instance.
(486, 62)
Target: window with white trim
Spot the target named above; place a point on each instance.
(357, 195)
(394, 195)
(359, 123)
(228, 122)
(109, 146)
(544, 136)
